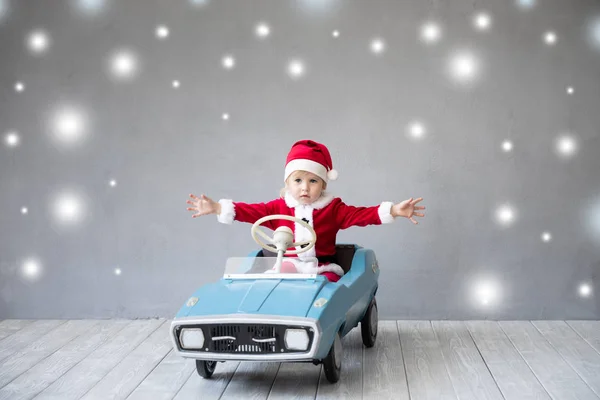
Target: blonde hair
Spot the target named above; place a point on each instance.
(298, 174)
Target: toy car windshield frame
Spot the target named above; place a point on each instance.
(262, 268)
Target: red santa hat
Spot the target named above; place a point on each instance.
(308, 155)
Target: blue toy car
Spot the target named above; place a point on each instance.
(259, 312)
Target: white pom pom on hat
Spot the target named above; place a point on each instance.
(332, 175)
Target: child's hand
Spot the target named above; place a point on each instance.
(407, 209)
(203, 206)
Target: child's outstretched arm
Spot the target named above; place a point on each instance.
(227, 211)
(385, 213)
(407, 209)
(203, 205)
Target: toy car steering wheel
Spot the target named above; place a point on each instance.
(257, 232)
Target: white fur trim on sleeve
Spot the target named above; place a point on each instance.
(227, 211)
(385, 212)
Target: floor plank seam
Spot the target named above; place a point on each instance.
(446, 362)
(362, 370)
(228, 380)
(185, 381)
(566, 361)
(80, 361)
(18, 330)
(317, 385)
(74, 365)
(148, 374)
(584, 339)
(273, 382)
(524, 360)
(117, 364)
(403, 358)
(49, 355)
(319, 382)
(484, 362)
(12, 353)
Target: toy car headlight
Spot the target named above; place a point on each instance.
(296, 339)
(191, 338)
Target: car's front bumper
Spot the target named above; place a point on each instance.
(235, 339)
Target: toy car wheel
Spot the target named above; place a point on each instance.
(368, 325)
(333, 362)
(205, 368)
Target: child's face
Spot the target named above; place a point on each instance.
(305, 187)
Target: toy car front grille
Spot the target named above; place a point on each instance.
(247, 338)
(263, 339)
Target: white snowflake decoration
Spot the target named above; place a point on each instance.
(12, 139)
(505, 215)
(31, 268)
(416, 130)
(464, 67)
(228, 62)
(482, 21)
(296, 69)
(38, 42)
(69, 126)
(124, 65)
(546, 237)
(68, 208)
(585, 290)
(566, 146)
(550, 38)
(262, 30)
(377, 46)
(162, 32)
(430, 32)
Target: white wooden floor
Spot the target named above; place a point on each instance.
(121, 359)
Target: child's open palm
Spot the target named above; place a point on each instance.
(203, 205)
(407, 209)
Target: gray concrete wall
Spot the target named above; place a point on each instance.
(508, 234)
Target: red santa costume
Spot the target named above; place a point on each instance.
(327, 215)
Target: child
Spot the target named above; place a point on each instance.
(308, 169)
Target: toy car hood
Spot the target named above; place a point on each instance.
(263, 296)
